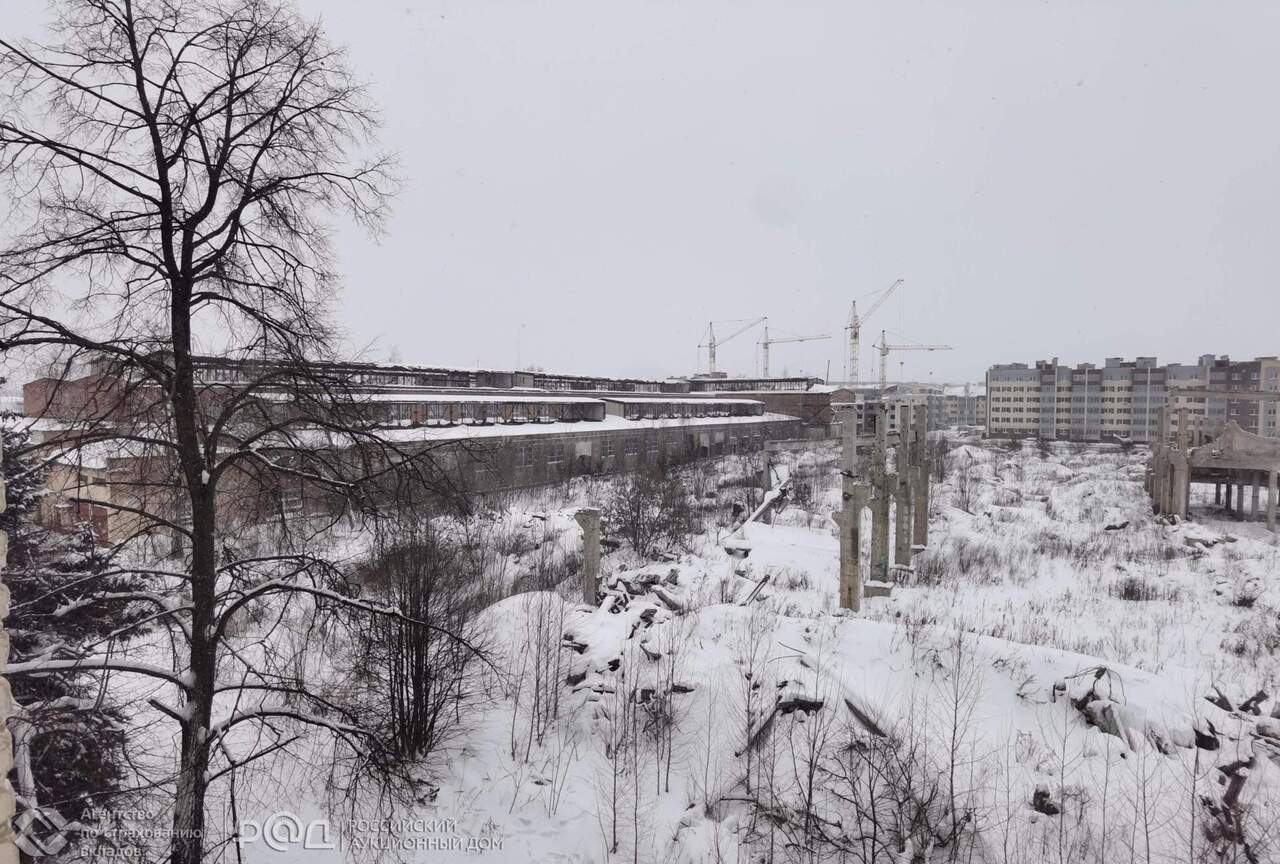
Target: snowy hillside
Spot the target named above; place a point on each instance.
(1068, 679)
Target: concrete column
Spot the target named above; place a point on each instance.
(766, 474)
(855, 500)
(880, 499)
(920, 508)
(849, 520)
(903, 524)
(1179, 485)
(1229, 486)
(901, 486)
(1160, 480)
(1257, 489)
(1240, 498)
(919, 477)
(1217, 493)
(589, 519)
(1272, 493)
(880, 531)
(8, 850)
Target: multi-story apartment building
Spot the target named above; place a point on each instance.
(958, 405)
(1122, 399)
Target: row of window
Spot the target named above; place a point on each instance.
(555, 453)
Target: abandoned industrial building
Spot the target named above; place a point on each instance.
(487, 430)
(1122, 399)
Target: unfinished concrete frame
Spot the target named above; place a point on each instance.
(908, 485)
(1232, 459)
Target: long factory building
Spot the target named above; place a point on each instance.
(490, 430)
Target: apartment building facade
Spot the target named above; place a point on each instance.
(1122, 398)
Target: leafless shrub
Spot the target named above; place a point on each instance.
(1140, 589)
(1256, 637)
(651, 510)
(753, 693)
(538, 674)
(427, 681)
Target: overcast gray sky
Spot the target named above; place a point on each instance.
(590, 181)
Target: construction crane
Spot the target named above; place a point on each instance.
(765, 342)
(885, 348)
(855, 330)
(711, 342)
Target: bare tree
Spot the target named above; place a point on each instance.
(966, 483)
(941, 456)
(427, 678)
(175, 164)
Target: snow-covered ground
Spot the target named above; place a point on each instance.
(1066, 678)
(1040, 657)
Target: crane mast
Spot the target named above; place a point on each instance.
(885, 348)
(712, 342)
(766, 342)
(855, 329)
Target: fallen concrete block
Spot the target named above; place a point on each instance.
(872, 589)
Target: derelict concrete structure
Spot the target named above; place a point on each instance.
(589, 519)
(1234, 458)
(906, 487)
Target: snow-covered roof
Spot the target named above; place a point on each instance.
(611, 423)
(492, 396)
(678, 400)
